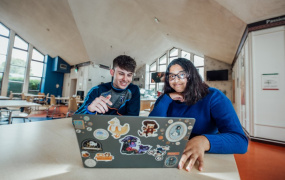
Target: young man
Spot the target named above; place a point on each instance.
(119, 97)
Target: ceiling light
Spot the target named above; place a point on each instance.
(156, 20)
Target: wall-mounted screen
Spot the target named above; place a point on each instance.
(218, 75)
(157, 77)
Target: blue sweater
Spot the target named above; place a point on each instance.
(215, 118)
(124, 101)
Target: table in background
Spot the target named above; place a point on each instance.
(4, 98)
(16, 103)
(49, 150)
(146, 103)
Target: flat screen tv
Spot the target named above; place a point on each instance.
(218, 75)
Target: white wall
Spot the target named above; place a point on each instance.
(87, 77)
(213, 64)
(262, 112)
(268, 56)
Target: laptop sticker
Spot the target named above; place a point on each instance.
(159, 152)
(85, 154)
(90, 124)
(149, 128)
(101, 134)
(86, 118)
(171, 161)
(90, 163)
(131, 145)
(91, 145)
(78, 124)
(104, 156)
(78, 131)
(89, 128)
(116, 129)
(176, 131)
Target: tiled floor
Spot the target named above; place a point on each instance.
(262, 161)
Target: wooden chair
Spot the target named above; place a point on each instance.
(53, 105)
(11, 96)
(72, 106)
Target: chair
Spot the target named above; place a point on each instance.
(25, 112)
(23, 97)
(11, 96)
(72, 106)
(53, 105)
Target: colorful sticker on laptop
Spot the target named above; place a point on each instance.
(78, 124)
(158, 152)
(131, 145)
(101, 134)
(117, 129)
(78, 131)
(90, 163)
(89, 128)
(85, 154)
(86, 118)
(91, 145)
(149, 128)
(90, 124)
(104, 156)
(171, 161)
(170, 121)
(176, 131)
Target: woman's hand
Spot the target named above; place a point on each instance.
(176, 96)
(194, 151)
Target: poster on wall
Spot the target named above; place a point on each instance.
(270, 81)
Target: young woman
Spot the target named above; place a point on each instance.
(217, 128)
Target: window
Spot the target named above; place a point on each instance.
(185, 55)
(173, 54)
(199, 64)
(36, 72)
(4, 42)
(162, 64)
(18, 65)
(152, 69)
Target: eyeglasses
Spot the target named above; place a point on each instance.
(180, 75)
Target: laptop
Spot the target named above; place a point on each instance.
(107, 141)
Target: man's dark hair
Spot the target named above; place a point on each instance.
(125, 62)
(195, 88)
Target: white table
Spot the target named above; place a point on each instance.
(4, 98)
(16, 103)
(49, 150)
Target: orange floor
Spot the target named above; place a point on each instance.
(262, 161)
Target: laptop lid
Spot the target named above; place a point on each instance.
(131, 141)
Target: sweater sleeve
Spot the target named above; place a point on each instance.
(133, 108)
(231, 138)
(161, 106)
(91, 96)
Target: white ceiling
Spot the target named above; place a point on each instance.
(100, 30)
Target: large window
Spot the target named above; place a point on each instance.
(18, 65)
(199, 64)
(152, 69)
(174, 53)
(4, 42)
(36, 72)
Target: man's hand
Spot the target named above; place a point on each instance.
(100, 104)
(176, 96)
(194, 151)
